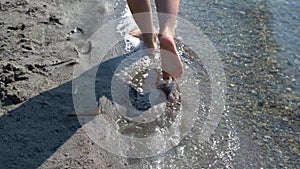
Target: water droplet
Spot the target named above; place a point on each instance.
(140, 90)
(145, 75)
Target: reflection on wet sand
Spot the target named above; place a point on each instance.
(257, 42)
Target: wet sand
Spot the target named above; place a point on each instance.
(39, 48)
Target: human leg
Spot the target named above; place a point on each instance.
(167, 15)
(142, 14)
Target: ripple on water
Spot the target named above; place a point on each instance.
(218, 151)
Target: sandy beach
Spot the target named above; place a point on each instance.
(42, 41)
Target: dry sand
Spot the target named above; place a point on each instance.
(37, 59)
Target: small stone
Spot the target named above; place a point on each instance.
(287, 108)
(289, 89)
(236, 55)
(232, 85)
(285, 119)
(274, 71)
(242, 12)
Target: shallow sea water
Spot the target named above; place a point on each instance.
(258, 42)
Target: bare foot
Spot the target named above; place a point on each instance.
(136, 32)
(171, 62)
(149, 39)
(170, 59)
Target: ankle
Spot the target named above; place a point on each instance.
(149, 39)
(166, 39)
(167, 34)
